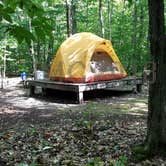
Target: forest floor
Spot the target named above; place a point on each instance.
(48, 131)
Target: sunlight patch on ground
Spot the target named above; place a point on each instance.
(46, 115)
(120, 106)
(127, 104)
(9, 110)
(24, 102)
(139, 108)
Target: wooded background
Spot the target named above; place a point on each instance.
(31, 31)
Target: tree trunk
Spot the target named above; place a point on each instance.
(68, 22)
(50, 52)
(4, 65)
(135, 26)
(121, 23)
(140, 40)
(101, 19)
(1, 74)
(32, 52)
(45, 55)
(134, 69)
(141, 25)
(73, 16)
(87, 13)
(110, 9)
(39, 59)
(156, 132)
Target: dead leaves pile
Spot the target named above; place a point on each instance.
(79, 138)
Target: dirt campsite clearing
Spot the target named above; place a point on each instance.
(46, 130)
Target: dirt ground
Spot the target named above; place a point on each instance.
(48, 131)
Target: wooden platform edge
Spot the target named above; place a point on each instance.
(135, 84)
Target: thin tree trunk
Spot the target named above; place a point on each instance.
(39, 59)
(51, 46)
(141, 24)
(87, 13)
(135, 39)
(110, 9)
(3, 69)
(140, 39)
(156, 132)
(4, 65)
(50, 51)
(101, 18)
(121, 23)
(73, 16)
(1, 77)
(68, 22)
(32, 51)
(45, 52)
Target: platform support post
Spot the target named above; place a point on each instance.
(139, 88)
(80, 97)
(31, 90)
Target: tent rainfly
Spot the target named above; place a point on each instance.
(85, 57)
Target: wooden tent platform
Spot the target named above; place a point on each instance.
(125, 84)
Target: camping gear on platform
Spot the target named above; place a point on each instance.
(85, 57)
(39, 75)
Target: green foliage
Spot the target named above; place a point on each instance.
(48, 31)
(140, 152)
(5, 13)
(34, 11)
(122, 161)
(88, 117)
(21, 34)
(42, 28)
(31, 131)
(25, 164)
(95, 162)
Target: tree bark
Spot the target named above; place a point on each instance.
(156, 125)
(68, 21)
(1, 74)
(39, 59)
(101, 19)
(32, 51)
(141, 39)
(87, 13)
(110, 9)
(50, 52)
(135, 39)
(141, 25)
(121, 23)
(4, 65)
(73, 16)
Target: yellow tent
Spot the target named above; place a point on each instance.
(85, 57)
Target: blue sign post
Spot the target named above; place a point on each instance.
(23, 77)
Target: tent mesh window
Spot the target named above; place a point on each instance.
(101, 62)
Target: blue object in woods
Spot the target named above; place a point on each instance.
(23, 76)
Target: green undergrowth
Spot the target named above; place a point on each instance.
(121, 161)
(116, 107)
(139, 152)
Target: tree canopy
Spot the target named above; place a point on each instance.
(43, 25)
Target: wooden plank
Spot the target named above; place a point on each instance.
(129, 83)
(54, 85)
(75, 87)
(84, 86)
